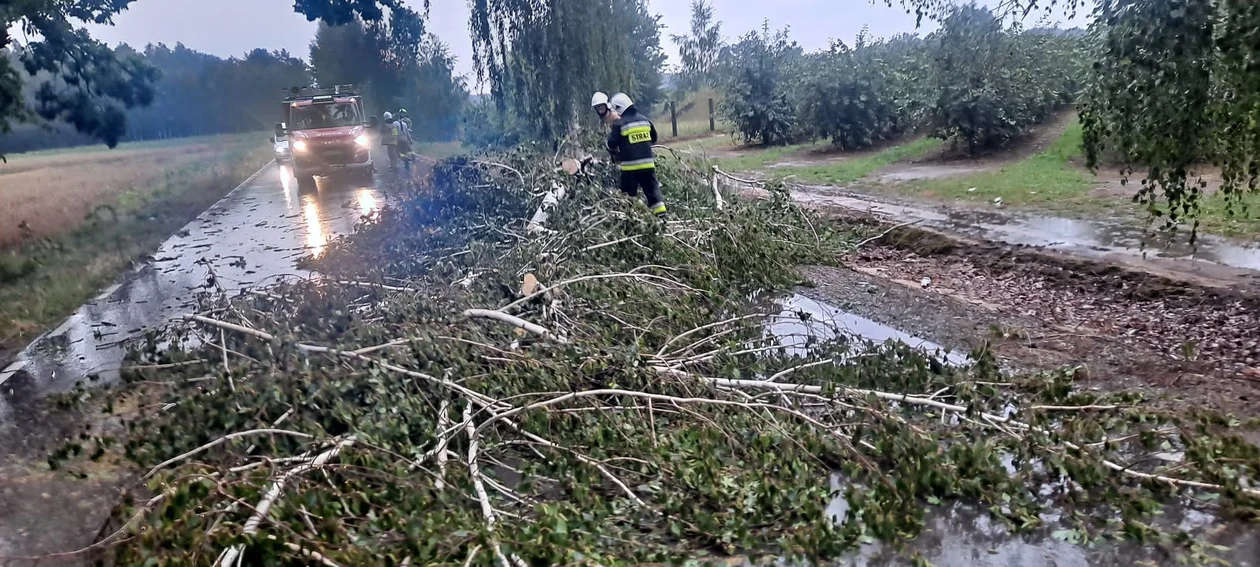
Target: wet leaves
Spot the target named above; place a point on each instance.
(718, 470)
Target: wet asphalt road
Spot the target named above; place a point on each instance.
(253, 236)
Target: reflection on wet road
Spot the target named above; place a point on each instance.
(825, 322)
(253, 236)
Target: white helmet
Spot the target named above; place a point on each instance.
(598, 99)
(620, 102)
(388, 116)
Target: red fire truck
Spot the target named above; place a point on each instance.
(328, 134)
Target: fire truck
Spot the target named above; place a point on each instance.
(328, 133)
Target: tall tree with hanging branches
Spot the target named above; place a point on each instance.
(1176, 88)
(543, 58)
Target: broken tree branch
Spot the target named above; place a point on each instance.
(513, 320)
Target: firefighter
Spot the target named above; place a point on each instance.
(389, 138)
(405, 141)
(630, 144)
(599, 103)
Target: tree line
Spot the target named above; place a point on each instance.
(1167, 83)
(189, 93)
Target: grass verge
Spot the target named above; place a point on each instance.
(848, 170)
(1237, 219)
(45, 280)
(1054, 180)
(1048, 178)
(749, 158)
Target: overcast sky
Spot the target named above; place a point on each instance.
(232, 27)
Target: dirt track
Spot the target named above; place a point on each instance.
(952, 161)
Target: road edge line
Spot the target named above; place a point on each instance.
(12, 369)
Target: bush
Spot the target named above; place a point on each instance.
(756, 87)
(862, 96)
(993, 82)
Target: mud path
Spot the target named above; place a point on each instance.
(254, 235)
(1213, 261)
(1047, 292)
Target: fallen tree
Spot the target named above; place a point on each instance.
(605, 388)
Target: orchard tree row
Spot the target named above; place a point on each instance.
(978, 81)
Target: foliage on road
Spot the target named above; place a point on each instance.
(460, 389)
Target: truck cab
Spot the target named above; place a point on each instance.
(327, 133)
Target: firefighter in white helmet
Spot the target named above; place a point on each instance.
(391, 130)
(599, 102)
(630, 144)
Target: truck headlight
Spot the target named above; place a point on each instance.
(299, 146)
(362, 140)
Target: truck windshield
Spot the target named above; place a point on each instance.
(325, 116)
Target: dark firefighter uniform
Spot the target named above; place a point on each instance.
(630, 144)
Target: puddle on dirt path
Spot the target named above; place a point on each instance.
(961, 535)
(253, 236)
(922, 172)
(822, 321)
(1086, 237)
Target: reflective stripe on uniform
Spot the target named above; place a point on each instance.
(658, 208)
(638, 164)
(627, 132)
(636, 124)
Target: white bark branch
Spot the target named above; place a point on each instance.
(220, 441)
(515, 321)
(233, 554)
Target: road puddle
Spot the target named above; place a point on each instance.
(805, 321)
(961, 534)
